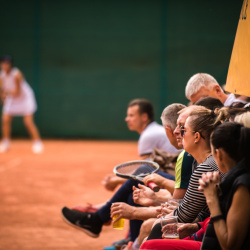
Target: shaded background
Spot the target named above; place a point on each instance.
(87, 59)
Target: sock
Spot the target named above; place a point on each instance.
(136, 245)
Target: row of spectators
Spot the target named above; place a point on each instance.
(211, 174)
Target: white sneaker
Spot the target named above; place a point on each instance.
(5, 145)
(37, 147)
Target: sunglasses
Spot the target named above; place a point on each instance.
(183, 131)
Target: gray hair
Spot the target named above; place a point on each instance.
(243, 118)
(197, 81)
(170, 115)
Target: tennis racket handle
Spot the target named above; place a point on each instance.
(153, 186)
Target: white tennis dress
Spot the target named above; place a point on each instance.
(24, 103)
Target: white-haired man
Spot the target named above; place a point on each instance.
(202, 85)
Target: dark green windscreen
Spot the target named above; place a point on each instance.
(87, 59)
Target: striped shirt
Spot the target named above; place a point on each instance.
(194, 203)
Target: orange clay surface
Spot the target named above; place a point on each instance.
(34, 188)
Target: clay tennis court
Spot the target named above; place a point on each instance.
(33, 188)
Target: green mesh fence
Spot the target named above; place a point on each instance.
(87, 59)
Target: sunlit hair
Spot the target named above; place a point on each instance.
(234, 139)
(170, 115)
(204, 120)
(232, 112)
(197, 81)
(189, 108)
(243, 118)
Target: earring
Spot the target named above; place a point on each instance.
(195, 142)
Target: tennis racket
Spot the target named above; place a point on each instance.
(137, 170)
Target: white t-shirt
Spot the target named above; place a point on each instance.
(154, 136)
(231, 99)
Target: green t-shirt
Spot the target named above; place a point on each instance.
(183, 170)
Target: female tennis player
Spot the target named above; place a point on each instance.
(18, 100)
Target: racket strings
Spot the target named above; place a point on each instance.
(137, 169)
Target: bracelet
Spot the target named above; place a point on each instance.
(217, 217)
(199, 226)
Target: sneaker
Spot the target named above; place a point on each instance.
(37, 147)
(89, 223)
(5, 145)
(89, 209)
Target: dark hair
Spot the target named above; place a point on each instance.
(237, 105)
(145, 106)
(210, 103)
(234, 139)
(8, 59)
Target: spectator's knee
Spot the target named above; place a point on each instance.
(147, 226)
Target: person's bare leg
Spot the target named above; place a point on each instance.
(31, 127)
(34, 133)
(145, 230)
(6, 126)
(6, 132)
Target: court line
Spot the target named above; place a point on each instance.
(11, 164)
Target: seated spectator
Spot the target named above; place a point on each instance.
(140, 118)
(230, 206)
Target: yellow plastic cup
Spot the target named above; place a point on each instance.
(118, 224)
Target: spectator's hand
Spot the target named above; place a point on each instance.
(110, 182)
(165, 209)
(187, 229)
(143, 195)
(156, 178)
(123, 210)
(209, 184)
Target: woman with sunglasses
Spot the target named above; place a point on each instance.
(196, 141)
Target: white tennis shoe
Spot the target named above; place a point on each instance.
(5, 145)
(37, 147)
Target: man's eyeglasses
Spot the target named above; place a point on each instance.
(183, 131)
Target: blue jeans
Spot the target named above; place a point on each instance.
(125, 194)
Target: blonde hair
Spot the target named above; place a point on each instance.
(204, 120)
(243, 118)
